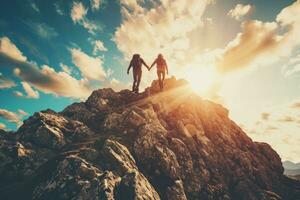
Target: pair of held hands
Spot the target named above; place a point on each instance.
(149, 68)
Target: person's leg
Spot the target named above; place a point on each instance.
(134, 80)
(163, 78)
(159, 79)
(139, 77)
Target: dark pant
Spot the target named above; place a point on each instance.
(137, 76)
(161, 78)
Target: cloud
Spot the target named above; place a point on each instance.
(18, 94)
(6, 82)
(34, 7)
(66, 68)
(292, 67)
(2, 126)
(31, 93)
(271, 128)
(78, 15)
(9, 116)
(116, 85)
(42, 30)
(10, 50)
(265, 116)
(255, 39)
(58, 9)
(98, 46)
(262, 43)
(168, 27)
(287, 119)
(240, 11)
(45, 79)
(295, 105)
(90, 67)
(22, 112)
(49, 81)
(95, 4)
(78, 11)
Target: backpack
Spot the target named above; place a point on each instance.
(136, 61)
(161, 63)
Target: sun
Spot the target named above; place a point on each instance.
(201, 79)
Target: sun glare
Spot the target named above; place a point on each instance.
(201, 80)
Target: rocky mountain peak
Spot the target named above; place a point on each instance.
(153, 145)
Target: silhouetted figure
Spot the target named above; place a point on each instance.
(162, 68)
(136, 63)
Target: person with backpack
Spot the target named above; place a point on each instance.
(162, 69)
(136, 63)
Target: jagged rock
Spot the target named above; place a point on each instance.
(136, 187)
(176, 192)
(152, 145)
(118, 158)
(79, 112)
(74, 178)
(50, 130)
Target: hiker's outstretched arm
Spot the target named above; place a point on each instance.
(143, 62)
(129, 67)
(153, 64)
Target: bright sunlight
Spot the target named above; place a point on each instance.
(201, 79)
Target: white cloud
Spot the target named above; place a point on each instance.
(98, 46)
(22, 112)
(78, 11)
(78, 15)
(95, 4)
(264, 43)
(280, 130)
(44, 78)
(9, 116)
(90, 26)
(18, 94)
(6, 82)
(49, 81)
(66, 68)
(2, 126)
(257, 42)
(9, 49)
(31, 93)
(90, 67)
(116, 85)
(240, 11)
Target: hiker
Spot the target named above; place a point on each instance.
(136, 63)
(162, 68)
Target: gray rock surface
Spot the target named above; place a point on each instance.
(155, 145)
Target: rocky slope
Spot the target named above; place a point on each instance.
(118, 145)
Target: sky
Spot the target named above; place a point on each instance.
(242, 54)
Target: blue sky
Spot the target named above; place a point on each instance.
(240, 53)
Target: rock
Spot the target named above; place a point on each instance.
(152, 145)
(74, 178)
(118, 158)
(136, 187)
(50, 130)
(176, 192)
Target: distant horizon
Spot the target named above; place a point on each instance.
(242, 54)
